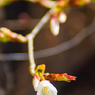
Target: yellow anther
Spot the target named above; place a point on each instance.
(45, 90)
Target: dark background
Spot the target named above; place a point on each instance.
(79, 60)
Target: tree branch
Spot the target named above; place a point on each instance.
(42, 22)
(31, 37)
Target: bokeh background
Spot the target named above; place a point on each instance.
(78, 61)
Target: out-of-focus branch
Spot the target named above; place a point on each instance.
(20, 24)
(9, 77)
(55, 50)
(68, 44)
(23, 22)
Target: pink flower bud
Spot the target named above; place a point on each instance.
(62, 17)
(54, 26)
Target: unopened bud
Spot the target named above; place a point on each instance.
(54, 26)
(8, 35)
(62, 17)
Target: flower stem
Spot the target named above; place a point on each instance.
(32, 64)
(31, 37)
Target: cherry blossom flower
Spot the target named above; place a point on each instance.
(46, 88)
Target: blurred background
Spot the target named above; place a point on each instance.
(79, 61)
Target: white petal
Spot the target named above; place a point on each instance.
(46, 88)
(35, 83)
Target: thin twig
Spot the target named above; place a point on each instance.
(31, 37)
(42, 22)
(20, 24)
(31, 55)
